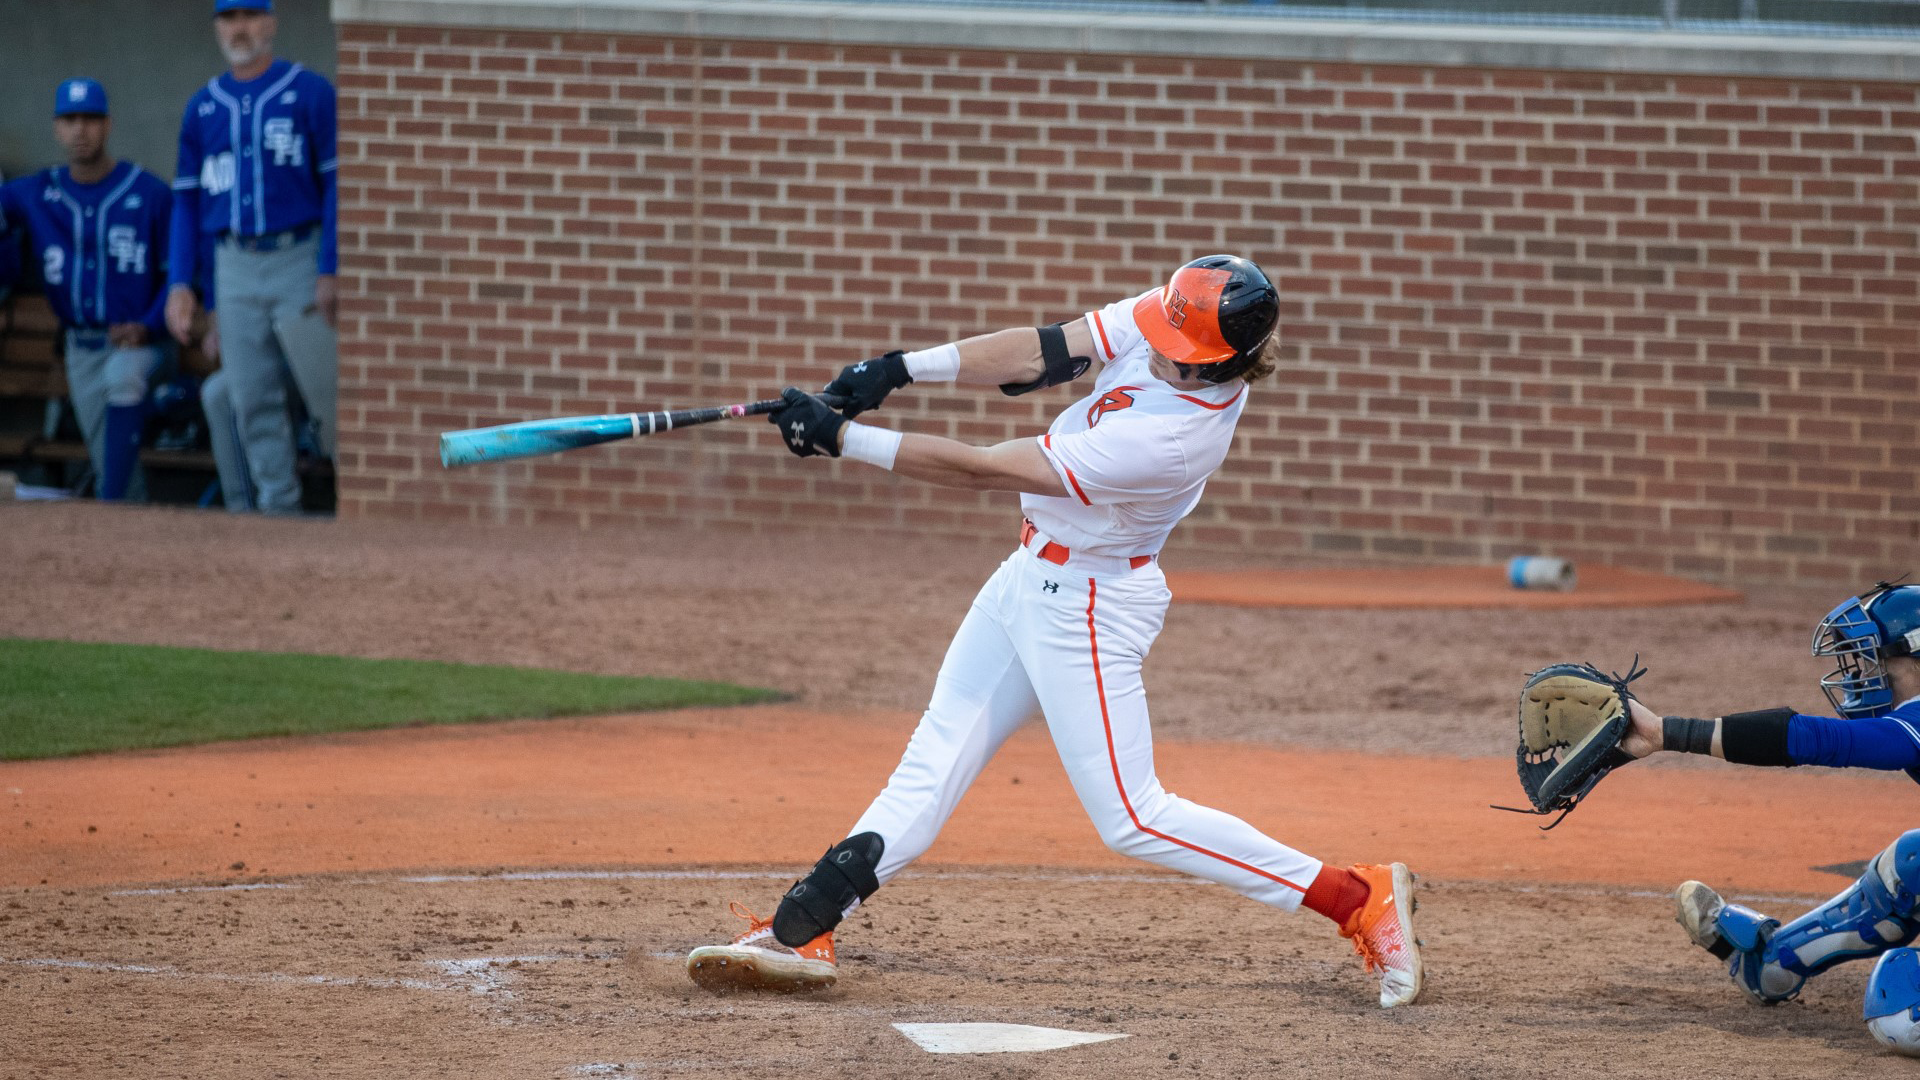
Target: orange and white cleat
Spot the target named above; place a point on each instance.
(1382, 932)
(756, 960)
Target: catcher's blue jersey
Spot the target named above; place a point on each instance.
(1888, 741)
(101, 248)
(256, 158)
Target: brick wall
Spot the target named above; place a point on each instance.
(1661, 321)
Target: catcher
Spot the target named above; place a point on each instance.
(1577, 724)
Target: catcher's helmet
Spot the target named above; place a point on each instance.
(1861, 634)
(1214, 313)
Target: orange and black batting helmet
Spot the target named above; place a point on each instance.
(1214, 313)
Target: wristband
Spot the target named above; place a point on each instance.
(1687, 735)
(938, 364)
(873, 445)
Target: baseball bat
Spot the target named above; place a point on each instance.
(533, 438)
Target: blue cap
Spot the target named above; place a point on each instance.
(221, 7)
(80, 97)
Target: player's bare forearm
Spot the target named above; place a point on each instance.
(1648, 733)
(1013, 355)
(1016, 465)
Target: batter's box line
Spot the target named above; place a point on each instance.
(674, 875)
(907, 877)
(486, 975)
(270, 978)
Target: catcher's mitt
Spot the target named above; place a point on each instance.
(1572, 718)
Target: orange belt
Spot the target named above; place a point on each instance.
(1058, 555)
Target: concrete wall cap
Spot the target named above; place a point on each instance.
(1208, 32)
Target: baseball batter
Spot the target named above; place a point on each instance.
(97, 229)
(1063, 626)
(256, 177)
(1874, 640)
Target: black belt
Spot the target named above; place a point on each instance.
(270, 241)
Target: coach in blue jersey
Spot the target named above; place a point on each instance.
(256, 174)
(97, 228)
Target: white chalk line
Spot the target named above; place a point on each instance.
(672, 1065)
(909, 877)
(469, 975)
(204, 888)
(266, 978)
(670, 875)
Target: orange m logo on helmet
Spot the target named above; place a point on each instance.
(1176, 308)
(1112, 401)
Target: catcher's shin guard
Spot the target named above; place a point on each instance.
(839, 882)
(1738, 935)
(1892, 1006)
(1874, 914)
(1747, 937)
(1771, 962)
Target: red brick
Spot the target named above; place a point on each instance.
(1487, 300)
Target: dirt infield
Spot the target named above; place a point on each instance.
(675, 789)
(512, 899)
(1406, 588)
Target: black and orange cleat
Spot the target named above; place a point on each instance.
(756, 960)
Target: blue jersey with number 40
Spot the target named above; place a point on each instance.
(256, 158)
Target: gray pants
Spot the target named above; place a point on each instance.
(100, 374)
(229, 456)
(271, 338)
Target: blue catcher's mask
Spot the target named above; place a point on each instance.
(1861, 635)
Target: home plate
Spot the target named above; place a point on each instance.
(994, 1038)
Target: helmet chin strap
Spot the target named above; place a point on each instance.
(1224, 371)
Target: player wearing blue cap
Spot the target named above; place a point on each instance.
(1874, 640)
(256, 175)
(98, 229)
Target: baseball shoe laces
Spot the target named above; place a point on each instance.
(757, 960)
(1382, 933)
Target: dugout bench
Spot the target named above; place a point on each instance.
(33, 375)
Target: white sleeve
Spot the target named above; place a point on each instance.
(1123, 458)
(1113, 329)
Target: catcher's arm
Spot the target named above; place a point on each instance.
(1646, 735)
(1745, 738)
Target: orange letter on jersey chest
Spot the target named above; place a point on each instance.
(1112, 401)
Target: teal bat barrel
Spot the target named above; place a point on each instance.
(533, 438)
(537, 437)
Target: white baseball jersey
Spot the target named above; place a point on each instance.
(1134, 454)
(1067, 641)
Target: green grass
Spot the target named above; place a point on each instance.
(63, 697)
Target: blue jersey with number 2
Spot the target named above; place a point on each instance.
(100, 248)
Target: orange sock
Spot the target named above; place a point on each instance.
(1336, 892)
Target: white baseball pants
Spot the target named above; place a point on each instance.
(1069, 644)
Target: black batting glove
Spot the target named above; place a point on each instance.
(866, 384)
(809, 427)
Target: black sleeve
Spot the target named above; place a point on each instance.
(1756, 738)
